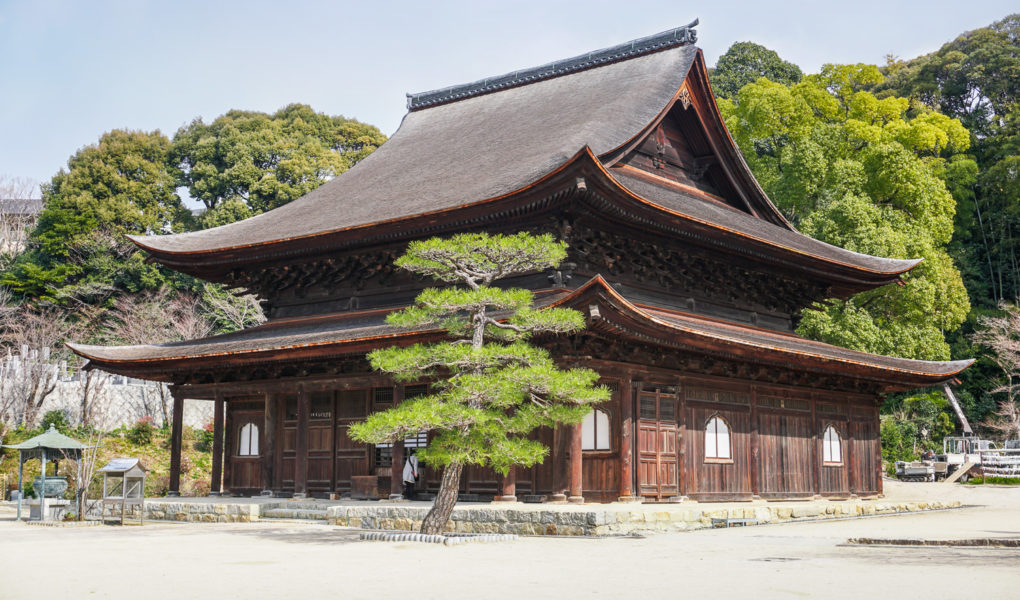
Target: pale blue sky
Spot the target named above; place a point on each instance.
(70, 70)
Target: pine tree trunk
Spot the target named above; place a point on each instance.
(446, 499)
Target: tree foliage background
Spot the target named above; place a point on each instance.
(912, 159)
(132, 182)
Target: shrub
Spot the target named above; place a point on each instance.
(141, 433)
(204, 438)
(57, 418)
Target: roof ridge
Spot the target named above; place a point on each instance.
(646, 45)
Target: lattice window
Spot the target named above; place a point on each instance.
(667, 409)
(646, 408)
(831, 409)
(383, 455)
(416, 391)
(831, 451)
(320, 406)
(248, 440)
(595, 433)
(700, 394)
(717, 439)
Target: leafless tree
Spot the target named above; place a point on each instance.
(92, 385)
(156, 317)
(18, 214)
(32, 365)
(233, 311)
(83, 470)
(1001, 335)
(8, 320)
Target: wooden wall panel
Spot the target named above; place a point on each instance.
(600, 477)
(867, 456)
(718, 481)
(785, 454)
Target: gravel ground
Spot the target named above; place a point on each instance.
(273, 560)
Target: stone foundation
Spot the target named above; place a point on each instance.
(527, 519)
(202, 512)
(605, 520)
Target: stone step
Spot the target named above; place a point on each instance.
(295, 513)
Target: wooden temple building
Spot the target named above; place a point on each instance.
(690, 279)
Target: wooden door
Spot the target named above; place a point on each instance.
(246, 442)
(657, 445)
(320, 443)
(352, 458)
(865, 451)
(786, 446)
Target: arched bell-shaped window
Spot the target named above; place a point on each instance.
(831, 450)
(717, 439)
(595, 431)
(248, 440)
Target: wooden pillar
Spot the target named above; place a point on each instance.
(561, 437)
(397, 468)
(268, 450)
(877, 445)
(816, 459)
(216, 485)
(755, 447)
(851, 458)
(301, 447)
(576, 473)
(627, 441)
(508, 487)
(176, 433)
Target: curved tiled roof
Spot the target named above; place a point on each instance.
(334, 332)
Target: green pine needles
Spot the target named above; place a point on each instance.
(490, 387)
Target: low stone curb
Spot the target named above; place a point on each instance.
(508, 519)
(446, 540)
(971, 543)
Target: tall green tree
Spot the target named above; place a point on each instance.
(245, 163)
(976, 78)
(866, 174)
(491, 386)
(746, 62)
(77, 253)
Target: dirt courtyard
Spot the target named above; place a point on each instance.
(298, 560)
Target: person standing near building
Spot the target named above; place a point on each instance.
(410, 475)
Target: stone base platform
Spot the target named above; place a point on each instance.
(528, 519)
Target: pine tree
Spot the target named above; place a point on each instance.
(491, 386)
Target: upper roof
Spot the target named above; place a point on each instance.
(337, 335)
(478, 148)
(503, 137)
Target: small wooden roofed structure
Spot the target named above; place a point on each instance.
(47, 446)
(128, 478)
(691, 280)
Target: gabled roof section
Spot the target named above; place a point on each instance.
(335, 335)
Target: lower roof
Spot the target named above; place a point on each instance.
(288, 340)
